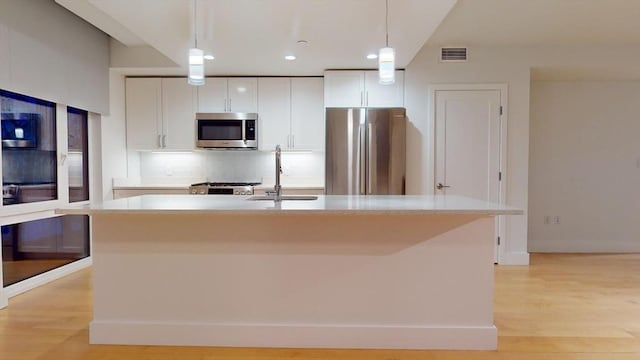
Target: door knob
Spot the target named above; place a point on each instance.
(440, 186)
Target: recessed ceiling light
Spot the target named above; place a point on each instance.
(372, 56)
(290, 57)
(209, 57)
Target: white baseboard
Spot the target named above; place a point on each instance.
(4, 300)
(298, 336)
(41, 279)
(515, 258)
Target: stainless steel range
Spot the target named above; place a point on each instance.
(223, 188)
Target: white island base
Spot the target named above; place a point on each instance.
(289, 277)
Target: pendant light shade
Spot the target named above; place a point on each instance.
(387, 56)
(196, 56)
(196, 67)
(387, 66)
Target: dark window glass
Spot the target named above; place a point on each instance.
(33, 247)
(29, 158)
(78, 155)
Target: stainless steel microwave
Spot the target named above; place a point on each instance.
(227, 130)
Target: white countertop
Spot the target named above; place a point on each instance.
(331, 204)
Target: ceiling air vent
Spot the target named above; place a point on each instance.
(453, 54)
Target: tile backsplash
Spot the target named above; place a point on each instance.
(225, 165)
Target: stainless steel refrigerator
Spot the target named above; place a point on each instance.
(365, 151)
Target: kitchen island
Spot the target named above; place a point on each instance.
(413, 272)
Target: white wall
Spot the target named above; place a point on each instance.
(585, 166)
(501, 64)
(487, 67)
(49, 53)
(113, 132)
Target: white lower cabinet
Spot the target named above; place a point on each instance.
(291, 113)
(129, 192)
(293, 191)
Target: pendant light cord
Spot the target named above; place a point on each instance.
(195, 24)
(386, 22)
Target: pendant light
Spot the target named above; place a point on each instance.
(196, 56)
(387, 56)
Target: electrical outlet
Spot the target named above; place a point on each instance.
(555, 220)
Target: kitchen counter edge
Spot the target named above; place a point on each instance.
(325, 205)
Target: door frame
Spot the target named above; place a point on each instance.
(502, 167)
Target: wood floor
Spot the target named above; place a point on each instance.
(582, 307)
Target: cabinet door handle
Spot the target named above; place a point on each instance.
(229, 105)
(293, 141)
(225, 103)
(159, 140)
(164, 141)
(361, 98)
(366, 99)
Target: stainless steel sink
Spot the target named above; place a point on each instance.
(284, 197)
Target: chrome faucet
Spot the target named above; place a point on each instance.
(276, 193)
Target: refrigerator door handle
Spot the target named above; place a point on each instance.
(371, 158)
(362, 166)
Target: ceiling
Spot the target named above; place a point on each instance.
(251, 37)
(541, 22)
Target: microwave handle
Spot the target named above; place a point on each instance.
(244, 129)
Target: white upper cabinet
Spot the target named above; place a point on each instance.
(178, 114)
(274, 116)
(377, 95)
(143, 111)
(160, 113)
(361, 89)
(212, 96)
(344, 88)
(291, 113)
(243, 95)
(307, 114)
(228, 95)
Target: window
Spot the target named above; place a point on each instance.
(78, 155)
(33, 247)
(29, 158)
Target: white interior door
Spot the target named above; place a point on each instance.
(467, 144)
